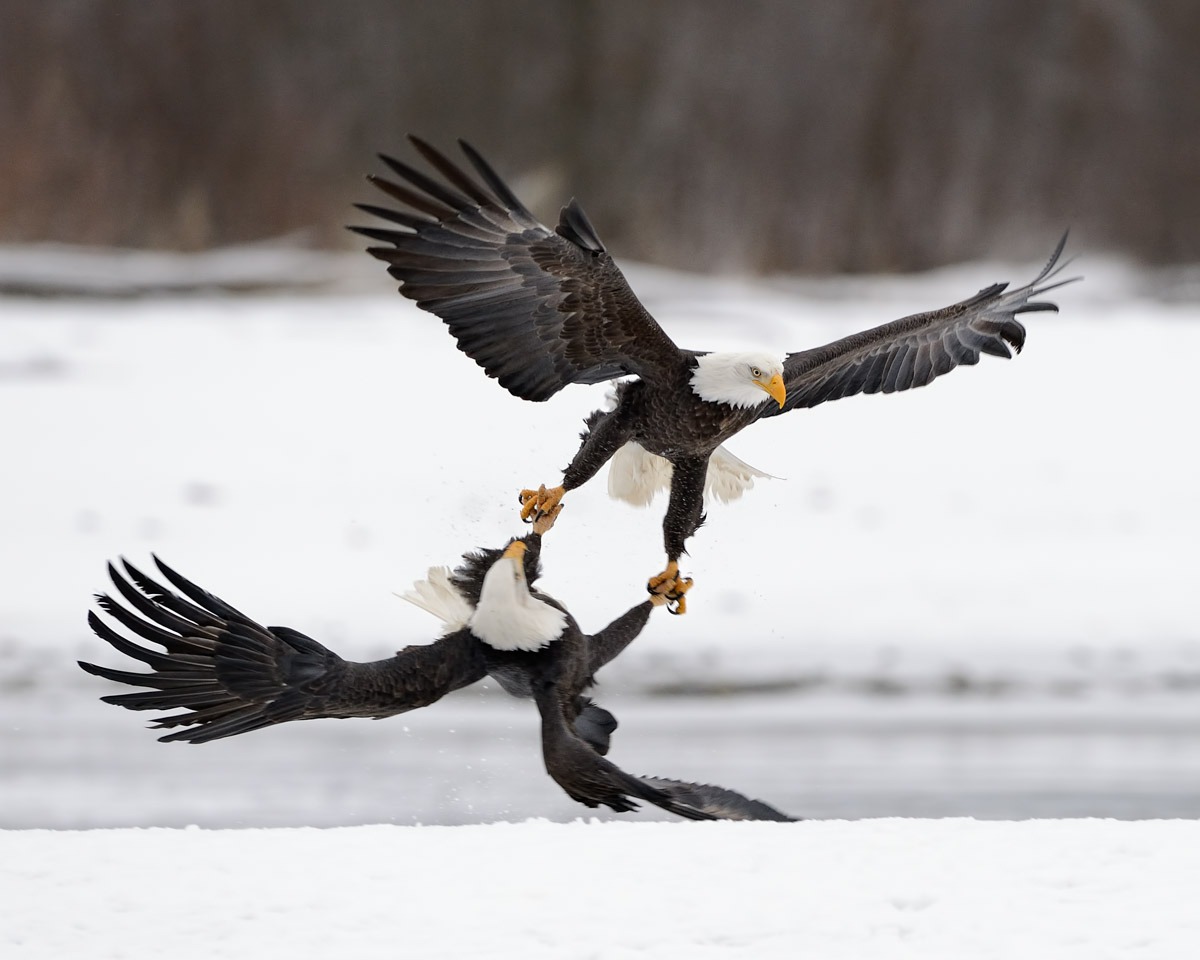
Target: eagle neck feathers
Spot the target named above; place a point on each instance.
(509, 616)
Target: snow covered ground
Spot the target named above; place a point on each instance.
(1067, 890)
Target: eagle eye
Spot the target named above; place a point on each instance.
(755, 372)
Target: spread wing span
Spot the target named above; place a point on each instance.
(232, 675)
(537, 309)
(913, 351)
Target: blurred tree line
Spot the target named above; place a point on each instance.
(764, 135)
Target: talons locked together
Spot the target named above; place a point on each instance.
(671, 588)
(541, 508)
(541, 503)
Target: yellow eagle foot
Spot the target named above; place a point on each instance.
(676, 599)
(671, 587)
(541, 502)
(663, 582)
(544, 521)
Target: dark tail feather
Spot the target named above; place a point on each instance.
(702, 801)
(576, 766)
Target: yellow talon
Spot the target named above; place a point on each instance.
(528, 503)
(545, 521)
(678, 596)
(666, 579)
(671, 587)
(535, 503)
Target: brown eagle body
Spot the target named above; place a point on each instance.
(673, 424)
(539, 309)
(231, 675)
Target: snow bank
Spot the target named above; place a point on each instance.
(64, 270)
(884, 888)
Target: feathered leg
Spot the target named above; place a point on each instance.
(685, 514)
(605, 435)
(605, 645)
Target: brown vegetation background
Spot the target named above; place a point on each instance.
(765, 136)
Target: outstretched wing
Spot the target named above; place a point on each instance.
(703, 801)
(913, 351)
(232, 675)
(537, 309)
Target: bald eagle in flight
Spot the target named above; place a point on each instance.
(539, 309)
(231, 675)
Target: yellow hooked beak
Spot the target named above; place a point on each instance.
(514, 551)
(775, 388)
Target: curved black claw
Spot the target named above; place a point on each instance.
(539, 503)
(677, 598)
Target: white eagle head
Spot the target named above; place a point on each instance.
(508, 616)
(739, 379)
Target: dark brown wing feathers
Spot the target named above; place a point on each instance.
(913, 351)
(537, 309)
(232, 675)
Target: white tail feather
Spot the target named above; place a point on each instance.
(635, 475)
(728, 477)
(437, 595)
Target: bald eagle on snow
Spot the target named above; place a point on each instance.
(231, 675)
(539, 309)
